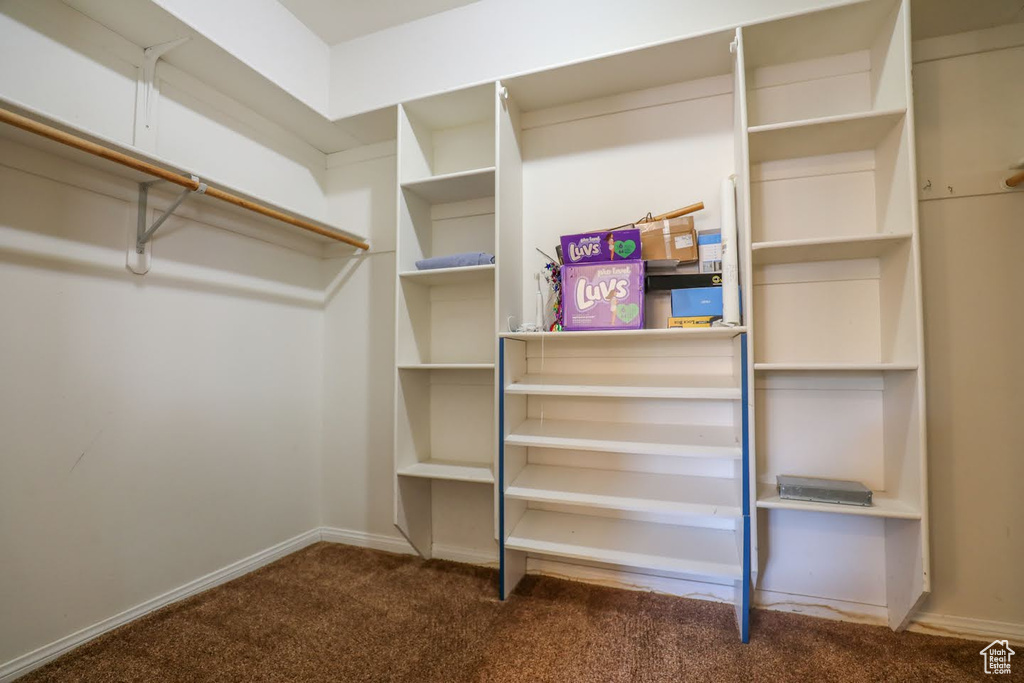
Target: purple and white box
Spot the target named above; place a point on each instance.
(603, 296)
(591, 247)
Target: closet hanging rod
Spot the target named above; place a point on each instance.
(1014, 180)
(57, 135)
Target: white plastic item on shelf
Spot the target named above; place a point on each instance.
(730, 264)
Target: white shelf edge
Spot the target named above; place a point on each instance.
(681, 333)
(622, 501)
(835, 367)
(446, 366)
(827, 241)
(448, 177)
(532, 387)
(826, 120)
(623, 445)
(448, 471)
(453, 274)
(883, 506)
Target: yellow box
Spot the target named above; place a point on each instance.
(695, 321)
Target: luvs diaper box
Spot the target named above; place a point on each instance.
(603, 296)
(621, 244)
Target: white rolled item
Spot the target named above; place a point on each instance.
(730, 262)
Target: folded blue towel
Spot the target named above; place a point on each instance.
(470, 258)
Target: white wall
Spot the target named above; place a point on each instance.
(969, 129)
(493, 39)
(359, 325)
(152, 429)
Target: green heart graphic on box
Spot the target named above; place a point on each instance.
(627, 312)
(625, 248)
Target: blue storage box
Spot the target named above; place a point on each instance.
(697, 302)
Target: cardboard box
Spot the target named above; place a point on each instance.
(697, 302)
(603, 296)
(594, 247)
(709, 245)
(673, 240)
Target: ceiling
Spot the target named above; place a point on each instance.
(933, 18)
(336, 21)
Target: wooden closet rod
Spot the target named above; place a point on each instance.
(1015, 180)
(78, 143)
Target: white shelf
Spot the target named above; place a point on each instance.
(819, 136)
(882, 505)
(657, 547)
(675, 333)
(833, 367)
(825, 249)
(446, 366)
(450, 276)
(674, 61)
(629, 386)
(628, 491)
(642, 439)
(454, 187)
(451, 471)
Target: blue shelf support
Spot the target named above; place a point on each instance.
(745, 591)
(501, 468)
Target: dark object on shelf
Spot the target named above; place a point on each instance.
(682, 281)
(815, 490)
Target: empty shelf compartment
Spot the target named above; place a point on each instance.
(657, 547)
(455, 187)
(696, 441)
(628, 491)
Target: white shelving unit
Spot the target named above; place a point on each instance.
(446, 318)
(654, 452)
(622, 469)
(837, 328)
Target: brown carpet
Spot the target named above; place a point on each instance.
(336, 613)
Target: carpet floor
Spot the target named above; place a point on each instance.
(336, 613)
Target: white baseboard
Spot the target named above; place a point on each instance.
(364, 539)
(22, 665)
(982, 630)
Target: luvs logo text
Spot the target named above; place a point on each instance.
(587, 295)
(585, 248)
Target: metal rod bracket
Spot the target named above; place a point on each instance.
(144, 234)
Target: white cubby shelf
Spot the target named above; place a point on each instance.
(694, 441)
(628, 491)
(693, 551)
(628, 386)
(883, 506)
(451, 471)
(464, 276)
